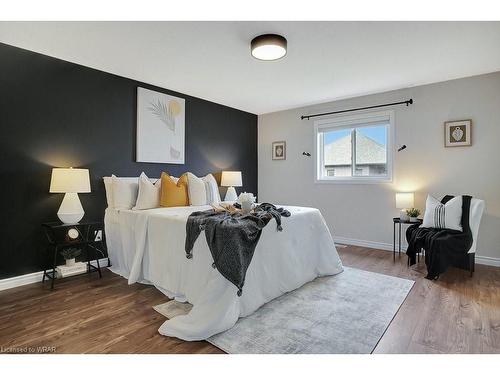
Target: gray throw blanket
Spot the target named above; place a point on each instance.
(232, 238)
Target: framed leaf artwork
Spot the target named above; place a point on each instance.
(160, 127)
(279, 150)
(458, 133)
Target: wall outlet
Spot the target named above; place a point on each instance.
(98, 235)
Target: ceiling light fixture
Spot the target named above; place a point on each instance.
(268, 47)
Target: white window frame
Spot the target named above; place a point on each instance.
(347, 122)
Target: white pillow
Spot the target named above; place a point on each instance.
(108, 185)
(149, 193)
(124, 192)
(202, 191)
(443, 216)
(213, 195)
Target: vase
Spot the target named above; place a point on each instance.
(413, 219)
(70, 262)
(246, 206)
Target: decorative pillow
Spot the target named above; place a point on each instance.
(443, 216)
(174, 194)
(124, 192)
(108, 185)
(149, 193)
(202, 191)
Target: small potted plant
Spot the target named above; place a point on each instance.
(70, 254)
(413, 214)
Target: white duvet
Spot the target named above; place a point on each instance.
(148, 246)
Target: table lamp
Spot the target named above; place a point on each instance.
(70, 181)
(231, 179)
(404, 201)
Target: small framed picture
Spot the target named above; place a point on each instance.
(279, 150)
(457, 133)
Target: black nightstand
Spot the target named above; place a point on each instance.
(397, 220)
(58, 239)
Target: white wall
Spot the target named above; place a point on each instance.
(364, 211)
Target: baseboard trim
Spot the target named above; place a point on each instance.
(480, 259)
(34, 277)
(488, 261)
(365, 243)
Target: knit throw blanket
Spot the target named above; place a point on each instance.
(443, 247)
(232, 238)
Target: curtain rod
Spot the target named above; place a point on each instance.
(407, 102)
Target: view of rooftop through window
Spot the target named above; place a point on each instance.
(377, 133)
(370, 148)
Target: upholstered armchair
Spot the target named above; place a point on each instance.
(448, 247)
(476, 212)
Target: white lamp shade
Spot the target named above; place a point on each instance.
(404, 200)
(231, 178)
(70, 180)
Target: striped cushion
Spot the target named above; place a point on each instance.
(211, 189)
(443, 216)
(202, 191)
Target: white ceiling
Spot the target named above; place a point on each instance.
(325, 60)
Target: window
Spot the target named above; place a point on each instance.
(355, 148)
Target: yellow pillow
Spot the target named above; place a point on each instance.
(174, 194)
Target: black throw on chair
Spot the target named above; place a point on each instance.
(447, 247)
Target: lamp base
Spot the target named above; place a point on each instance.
(231, 194)
(403, 216)
(71, 210)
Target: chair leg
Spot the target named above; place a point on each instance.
(472, 263)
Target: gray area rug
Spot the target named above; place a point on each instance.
(345, 313)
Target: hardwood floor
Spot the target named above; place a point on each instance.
(85, 314)
(456, 314)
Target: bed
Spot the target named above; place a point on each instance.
(148, 247)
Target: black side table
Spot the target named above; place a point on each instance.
(58, 239)
(397, 220)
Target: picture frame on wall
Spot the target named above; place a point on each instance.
(279, 150)
(160, 127)
(458, 133)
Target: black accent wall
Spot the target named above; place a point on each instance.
(58, 114)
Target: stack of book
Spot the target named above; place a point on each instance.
(77, 268)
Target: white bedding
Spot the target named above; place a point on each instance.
(148, 246)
